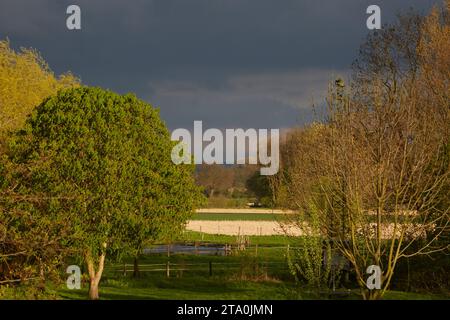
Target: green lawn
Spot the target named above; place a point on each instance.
(243, 275)
(213, 288)
(223, 284)
(279, 240)
(240, 276)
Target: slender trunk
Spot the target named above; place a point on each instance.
(41, 276)
(93, 289)
(95, 275)
(136, 267)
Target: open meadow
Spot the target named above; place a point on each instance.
(197, 267)
(240, 276)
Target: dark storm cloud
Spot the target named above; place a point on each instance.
(231, 63)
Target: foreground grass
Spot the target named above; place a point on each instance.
(187, 288)
(400, 295)
(233, 278)
(215, 288)
(245, 275)
(240, 276)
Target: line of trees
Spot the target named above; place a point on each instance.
(234, 181)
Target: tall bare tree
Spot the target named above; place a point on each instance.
(378, 170)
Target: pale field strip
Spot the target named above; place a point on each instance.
(281, 211)
(244, 210)
(398, 212)
(239, 227)
(270, 228)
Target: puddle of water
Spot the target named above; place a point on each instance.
(211, 249)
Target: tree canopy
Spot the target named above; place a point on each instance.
(102, 161)
(376, 173)
(25, 80)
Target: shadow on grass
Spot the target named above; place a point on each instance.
(180, 288)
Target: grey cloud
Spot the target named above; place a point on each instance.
(247, 62)
(266, 96)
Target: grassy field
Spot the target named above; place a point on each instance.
(234, 280)
(221, 216)
(216, 289)
(243, 275)
(251, 274)
(259, 272)
(225, 239)
(187, 288)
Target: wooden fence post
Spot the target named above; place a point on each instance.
(168, 269)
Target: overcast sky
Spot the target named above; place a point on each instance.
(230, 63)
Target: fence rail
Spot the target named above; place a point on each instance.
(210, 267)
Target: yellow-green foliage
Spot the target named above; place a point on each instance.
(25, 80)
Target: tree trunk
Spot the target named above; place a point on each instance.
(124, 269)
(93, 290)
(136, 268)
(41, 276)
(95, 275)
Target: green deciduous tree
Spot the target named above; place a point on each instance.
(103, 162)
